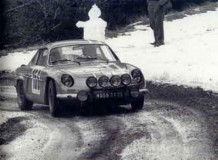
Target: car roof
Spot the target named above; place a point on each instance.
(72, 42)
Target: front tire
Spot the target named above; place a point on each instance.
(138, 103)
(52, 100)
(23, 103)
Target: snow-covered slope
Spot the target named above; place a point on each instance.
(189, 57)
(16, 59)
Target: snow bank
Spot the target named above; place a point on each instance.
(16, 59)
(189, 57)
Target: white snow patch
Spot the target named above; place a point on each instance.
(15, 60)
(189, 56)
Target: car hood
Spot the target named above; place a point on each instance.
(97, 69)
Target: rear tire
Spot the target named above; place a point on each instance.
(138, 103)
(52, 100)
(23, 103)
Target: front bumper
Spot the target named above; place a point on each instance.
(127, 94)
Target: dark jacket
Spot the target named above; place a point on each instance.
(165, 4)
(161, 2)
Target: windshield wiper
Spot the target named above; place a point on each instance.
(91, 58)
(85, 57)
(102, 59)
(65, 60)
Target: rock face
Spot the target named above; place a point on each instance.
(94, 28)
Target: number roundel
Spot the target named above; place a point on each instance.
(36, 81)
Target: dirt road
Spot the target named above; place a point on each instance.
(161, 131)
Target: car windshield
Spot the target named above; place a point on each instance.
(80, 53)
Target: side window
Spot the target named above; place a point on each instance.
(42, 58)
(34, 59)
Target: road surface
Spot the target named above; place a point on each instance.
(161, 131)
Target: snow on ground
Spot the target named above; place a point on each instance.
(26, 141)
(35, 137)
(175, 137)
(4, 116)
(189, 57)
(42, 138)
(16, 59)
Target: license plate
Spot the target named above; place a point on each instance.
(104, 95)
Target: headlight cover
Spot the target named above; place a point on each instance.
(126, 79)
(115, 81)
(137, 75)
(91, 82)
(103, 81)
(67, 80)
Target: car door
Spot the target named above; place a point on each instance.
(28, 76)
(38, 77)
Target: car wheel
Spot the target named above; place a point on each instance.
(23, 102)
(138, 103)
(52, 100)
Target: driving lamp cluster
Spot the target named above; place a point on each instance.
(104, 81)
(115, 80)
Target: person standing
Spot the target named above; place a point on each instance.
(156, 12)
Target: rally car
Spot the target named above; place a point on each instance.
(78, 70)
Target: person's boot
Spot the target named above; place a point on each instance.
(153, 43)
(158, 44)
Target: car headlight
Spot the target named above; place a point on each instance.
(126, 79)
(115, 81)
(103, 81)
(91, 82)
(137, 75)
(67, 80)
